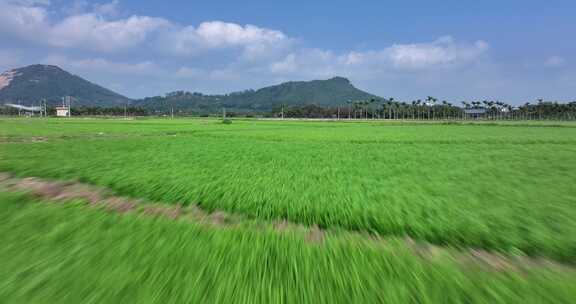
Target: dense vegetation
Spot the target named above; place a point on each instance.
(432, 110)
(370, 110)
(333, 91)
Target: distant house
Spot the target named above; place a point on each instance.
(62, 111)
(475, 113)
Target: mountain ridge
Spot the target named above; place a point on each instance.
(329, 92)
(32, 83)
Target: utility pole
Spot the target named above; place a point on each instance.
(223, 114)
(349, 112)
(125, 116)
(282, 112)
(68, 102)
(338, 115)
(171, 111)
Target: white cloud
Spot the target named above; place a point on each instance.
(442, 52)
(213, 35)
(96, 33)
(107, 9)
(286, 65)
(222, 34)
(22, 21)
(218, 54)
(95, 30)
(188, 72)
(104, 65)
(554, 61)
(310, 63)
(84, 31)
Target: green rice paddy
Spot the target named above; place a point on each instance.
(507, 188)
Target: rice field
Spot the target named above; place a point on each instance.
(505, 188)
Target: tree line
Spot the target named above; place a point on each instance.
(433, 109)
(429, 108)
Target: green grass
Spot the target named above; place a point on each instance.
(507, 187)
(68, 253)
(501, 187)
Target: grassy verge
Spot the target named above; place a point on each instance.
(74, 254)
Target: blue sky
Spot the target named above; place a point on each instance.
(514, 51)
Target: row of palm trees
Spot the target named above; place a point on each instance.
(433, 109)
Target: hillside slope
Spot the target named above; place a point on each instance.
(330, 92)
(30, 84)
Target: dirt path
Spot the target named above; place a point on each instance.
(98, 197)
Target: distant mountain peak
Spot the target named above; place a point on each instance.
(33, 83)
(339, 79)
(42, 66)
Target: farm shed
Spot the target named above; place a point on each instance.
(62, 111)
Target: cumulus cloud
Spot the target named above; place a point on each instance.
(22, 20)
(104, 65)
(107, 9)
(443, 53)
(188, 72)
(97, 30)
(214, 53)
(84, 31)
(219, 34)
(252, 40)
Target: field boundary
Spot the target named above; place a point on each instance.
(61, 192)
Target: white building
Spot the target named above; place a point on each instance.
(62, 111)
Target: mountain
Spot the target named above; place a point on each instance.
(331, 92)
(30, 84)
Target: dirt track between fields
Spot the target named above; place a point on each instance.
(98, 197)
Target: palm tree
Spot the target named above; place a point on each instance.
(390, 105)
(413, 109)
(371, 102)
(430, 103)
(419, 109)
(444, 103)
(349, 102)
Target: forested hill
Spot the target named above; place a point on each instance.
(330, 92)
(30, 84)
